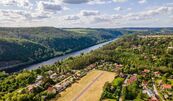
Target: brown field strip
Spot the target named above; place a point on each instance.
(89, 88)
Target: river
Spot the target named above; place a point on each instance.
(59, 58)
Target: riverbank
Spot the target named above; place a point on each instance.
(49, 61)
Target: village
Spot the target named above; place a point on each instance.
(157, 86)
(64, 81)
(153, 84)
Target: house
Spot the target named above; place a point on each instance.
(157, 74)
(34, 86)
(73, 71)
(170, 47)
(144, 83)
(167, 86)
(144, 91)
(86, 69)
(146, 71)
(38, 83)
(58, 87)
(118, 65)
(143, 74)
(39, 77)
(61, 77)
(51, 90)
(83, 73)
(122, 75)
(78, 74)
(50, 72)
(66, 84)
(166, 96)
(91, 66)
(31, 88)
(53, 76)
(153, 98)
(132, 79)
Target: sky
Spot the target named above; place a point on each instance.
(86, 13)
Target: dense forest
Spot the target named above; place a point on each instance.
(21, 46)
(135, 52)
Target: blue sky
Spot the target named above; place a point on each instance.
(86, 13)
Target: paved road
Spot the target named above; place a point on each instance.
(155, 90)
(85, 89)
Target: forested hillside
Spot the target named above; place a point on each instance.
(20, 46)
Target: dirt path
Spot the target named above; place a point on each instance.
(124, 85)
(85, 89)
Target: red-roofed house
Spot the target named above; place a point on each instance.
(153, 99)
(146, 71)
(144, 83)
(157, 74)
(92, 66)
(51, 90)
(132, 79)
(118, 65)
(167, 86)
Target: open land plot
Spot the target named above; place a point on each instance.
(89, 88)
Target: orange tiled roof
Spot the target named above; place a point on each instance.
(50, 89)
(167, 86)
(146, 70)
(153, 99)
(156, 72)
(132, 79)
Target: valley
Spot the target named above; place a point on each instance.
(29, 46)
(86, 50)
(136, 66)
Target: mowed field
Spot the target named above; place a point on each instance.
(89, 88)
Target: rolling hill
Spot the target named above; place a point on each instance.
(20, 46)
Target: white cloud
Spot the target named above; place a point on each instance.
(120, 1)
(49, 7)
(129, 9)
(31, 11)
(142, 1)
(74, 1)
(118, 8)
(14, 13)
(89, 12)
(145, 15)
(19, 3)
(83, 1)
(158, 11)
(20, 15)
(100, 19)
(72, 17)
(122, 9)
(117, 16)
(99, 1)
